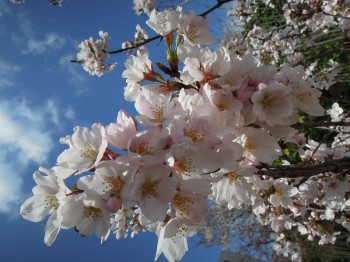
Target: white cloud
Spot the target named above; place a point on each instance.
(51, 42)
(26, 137)
(23, 135)
(10, 188)
(52, 111)
(8, 73)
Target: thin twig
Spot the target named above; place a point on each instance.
(324, 139)
(211, 9)
(335, 15)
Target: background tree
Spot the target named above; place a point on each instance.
(323, 49)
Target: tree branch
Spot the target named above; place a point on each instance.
(218, 4)
(320, 124)
(335, 15)
(136, 45)
(307, 171)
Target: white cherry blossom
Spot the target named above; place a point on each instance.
(195, 29)
(46, 199)
(283, 194)
(153, 191)
(87, 213)
(164, 22)
(86, 148)
(172, 239)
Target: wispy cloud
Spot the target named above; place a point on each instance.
(25, 25)
(4, 8)
(77, 77)
(51, 42)
(69, 114)
(8, 73)
(10, 187)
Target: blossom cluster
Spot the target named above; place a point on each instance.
(93, 53)
(140, 36)
(207, 125)
(143, 6)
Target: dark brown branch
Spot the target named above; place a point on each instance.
(320, 124)
(335, 15)
(338, 165)
(324, 139)
(136, 45)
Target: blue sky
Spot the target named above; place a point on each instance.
(42, 97)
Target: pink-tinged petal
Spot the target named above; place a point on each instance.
(120, 133)
(114, 204)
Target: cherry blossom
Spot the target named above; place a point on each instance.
(47, 198)
(93, 53)
(195, 29)
(283, 194)
(86, 148)
(153, 190)
(215, 125)
(88, 214)
(172, 239)
(145, 6)
(120, 133)
(271, 103)
(164, 22)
